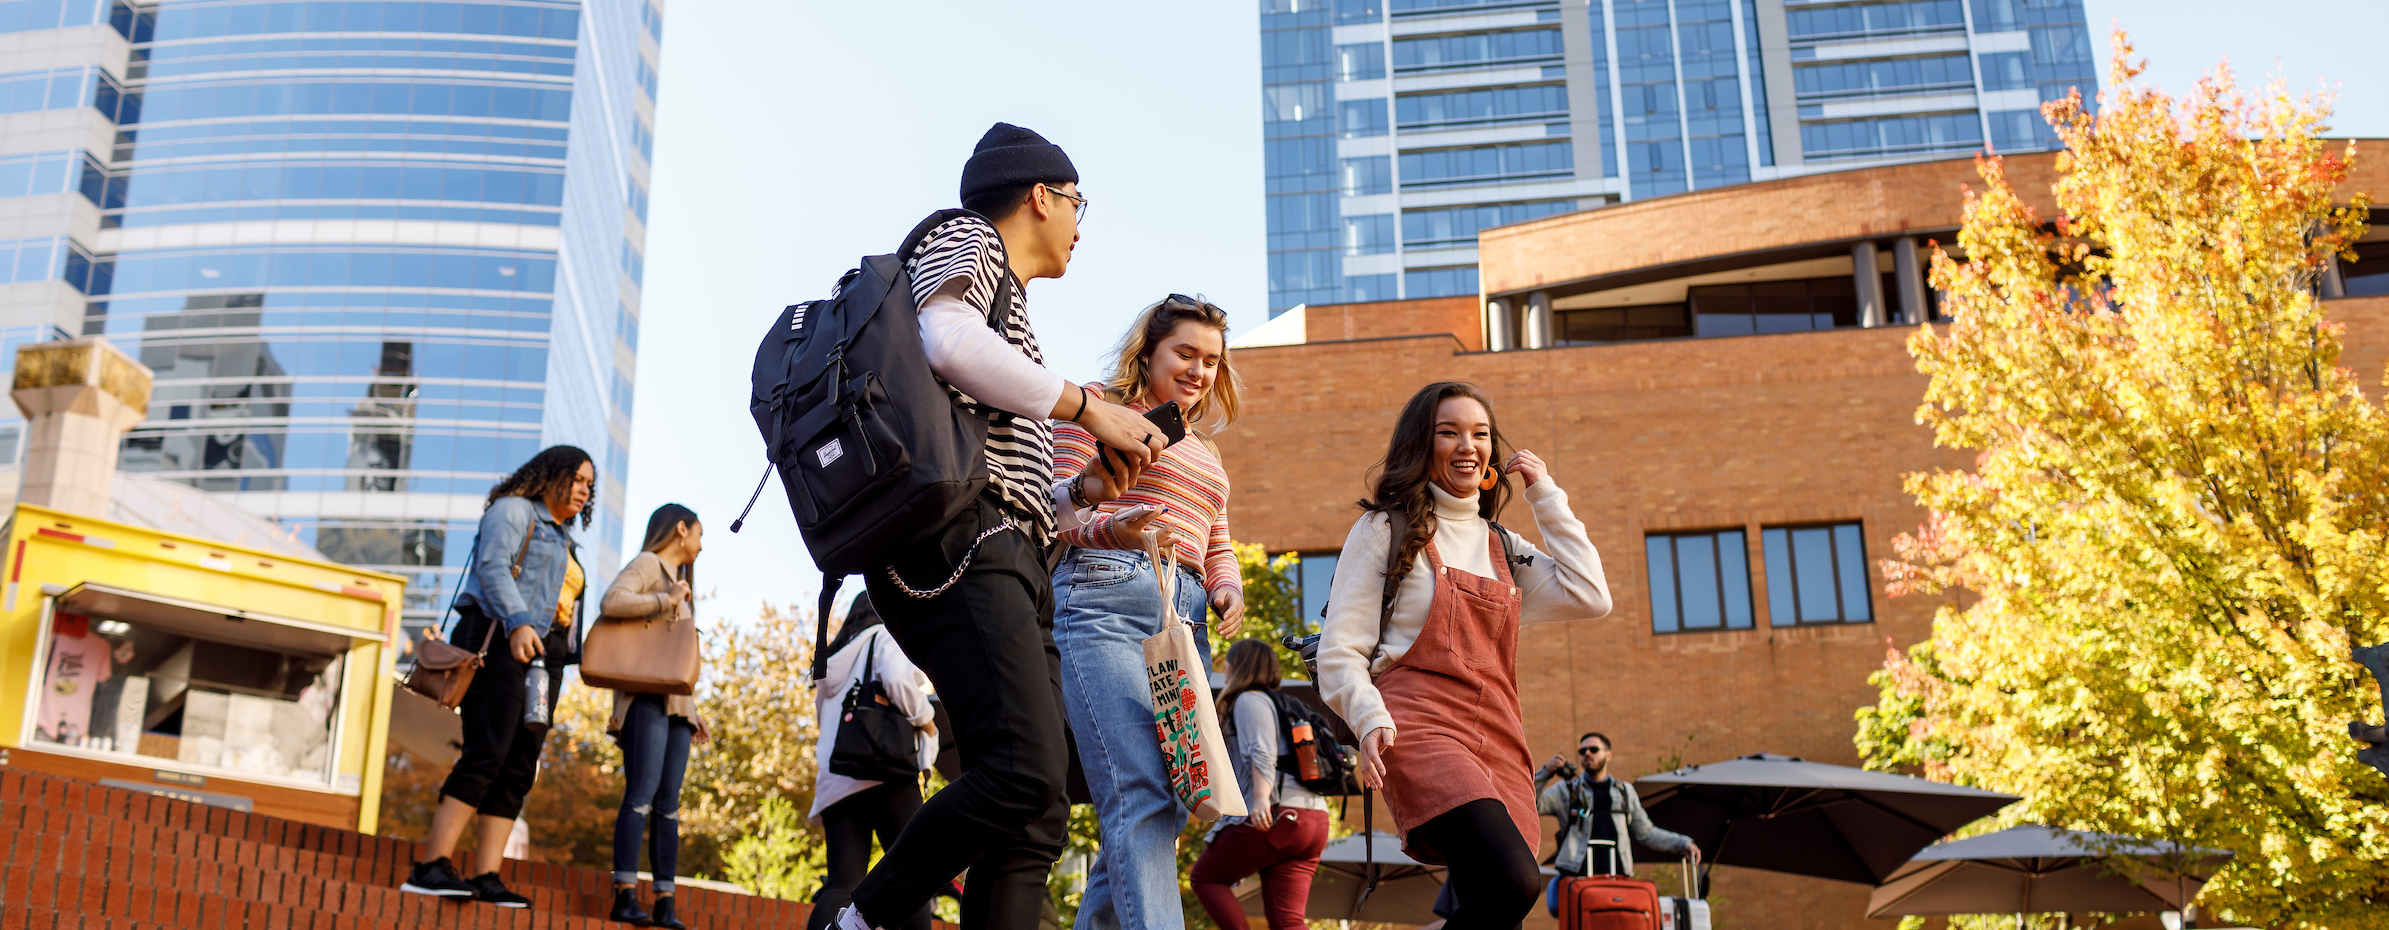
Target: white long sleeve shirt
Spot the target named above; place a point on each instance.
(978, 362)
(907, 688)
(1563, 584)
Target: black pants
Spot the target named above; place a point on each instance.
(1494, 878)
(987, 643)
(847, 828)
(501, 756)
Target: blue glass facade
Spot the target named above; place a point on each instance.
(1490, 101)
(376, 252)
(1298, 119)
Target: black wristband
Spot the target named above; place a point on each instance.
(1082, 403)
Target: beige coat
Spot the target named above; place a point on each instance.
(642, 591)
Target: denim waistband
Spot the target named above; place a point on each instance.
(1191, 571)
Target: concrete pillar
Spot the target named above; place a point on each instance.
(2334, 285)
(78, 397)
(1498, 334)
(1907, 266)
(1868, 277)
(1538, 320)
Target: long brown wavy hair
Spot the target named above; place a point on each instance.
(1251, 667)
(1132, 367)
(1402, 475)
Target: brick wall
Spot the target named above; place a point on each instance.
(1458, 316)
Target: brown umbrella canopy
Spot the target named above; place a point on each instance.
(1807, 818)
(2034, 869)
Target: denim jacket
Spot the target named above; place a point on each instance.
(490, 584)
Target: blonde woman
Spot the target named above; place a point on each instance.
(1107, 600)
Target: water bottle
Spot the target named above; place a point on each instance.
(535, 707)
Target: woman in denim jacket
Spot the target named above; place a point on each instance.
(525, 578)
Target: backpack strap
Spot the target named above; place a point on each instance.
(1397, 529)
(1509, 548)
(821, 624)
(1002, 303)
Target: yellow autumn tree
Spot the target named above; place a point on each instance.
(2174, 531)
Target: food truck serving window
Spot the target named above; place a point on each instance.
(139, 676)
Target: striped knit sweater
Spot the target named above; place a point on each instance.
(1187, 479)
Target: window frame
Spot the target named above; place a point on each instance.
(1786, 614)
(1724, 600)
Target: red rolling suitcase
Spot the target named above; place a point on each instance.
(1608, 902)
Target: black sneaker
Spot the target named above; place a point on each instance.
(487, 888)
(437, 878)
(626, 909)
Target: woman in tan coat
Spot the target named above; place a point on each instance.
(655, 730)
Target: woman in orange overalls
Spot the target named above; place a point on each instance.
(1425, 665)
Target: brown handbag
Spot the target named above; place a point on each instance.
(658, 654)
(443, 670)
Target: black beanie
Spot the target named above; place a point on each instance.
(1009, 155)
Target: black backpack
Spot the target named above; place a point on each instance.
(876, 742)
(1334, 761)
(872, 450)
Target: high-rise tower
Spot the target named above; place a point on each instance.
(1396, 129)
(378, 253)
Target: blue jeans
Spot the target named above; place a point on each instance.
(654, 757)
(1106, 603)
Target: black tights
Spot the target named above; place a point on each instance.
(1493, 874)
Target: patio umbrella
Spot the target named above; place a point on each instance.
(2034, 869)
(1783, 814)
(1405, 887)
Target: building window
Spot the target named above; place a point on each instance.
(1360, 62)
(1365, 289)
(1458, 226)
(1359, 11)
(1875, 19)
(1896, 135)
(1891, 76)
(1487, 164)
(1451, 109)
(1816, 574)
(1313, 575)
(1371, 175)
(1774, 306)
(1699, 581)
(1477, 49)
(1440, 282)
(2007, 71)
(1361, 118)
(1369, 235)
(1623, 324)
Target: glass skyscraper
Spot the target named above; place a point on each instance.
(1396, 129)
(378, 253)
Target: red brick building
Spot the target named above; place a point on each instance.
(1720, 381)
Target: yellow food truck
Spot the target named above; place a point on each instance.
(189, 667)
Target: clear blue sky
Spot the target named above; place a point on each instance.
(792, 138)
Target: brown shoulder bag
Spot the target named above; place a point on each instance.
(444, 670)
(656, 654)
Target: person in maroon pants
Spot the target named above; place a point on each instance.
(1288, 827)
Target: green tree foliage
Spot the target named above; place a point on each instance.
(2175, 526)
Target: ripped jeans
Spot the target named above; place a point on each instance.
(654, 757)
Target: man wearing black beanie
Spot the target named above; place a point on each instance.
(973, 606)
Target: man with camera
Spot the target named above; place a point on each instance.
(1597, 815)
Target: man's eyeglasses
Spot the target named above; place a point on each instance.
(1073, 198)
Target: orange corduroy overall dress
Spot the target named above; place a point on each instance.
(1459, 736)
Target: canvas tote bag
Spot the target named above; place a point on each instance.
(1192, 748)
(643, 655)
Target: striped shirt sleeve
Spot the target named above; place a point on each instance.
(1220, 569)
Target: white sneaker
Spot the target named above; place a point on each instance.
(849, 918)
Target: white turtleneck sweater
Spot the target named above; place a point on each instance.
(1563, 584)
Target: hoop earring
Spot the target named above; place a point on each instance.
(1492, 479)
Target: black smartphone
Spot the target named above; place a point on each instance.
(1169, 418)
